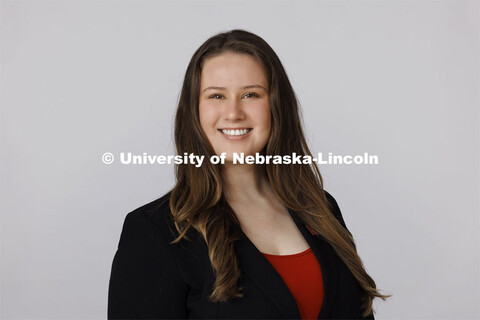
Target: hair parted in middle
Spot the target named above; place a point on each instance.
(197, 199)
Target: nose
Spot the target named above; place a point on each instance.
(233, 110)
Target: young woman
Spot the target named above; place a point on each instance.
(251, 241)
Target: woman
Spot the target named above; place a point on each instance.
(239, 241)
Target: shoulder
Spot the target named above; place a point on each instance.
(157, 207)
(335, 209)
(145, 280)
(150, 222)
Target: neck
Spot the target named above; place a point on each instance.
(244, 182)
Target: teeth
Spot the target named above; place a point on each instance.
(236, 132)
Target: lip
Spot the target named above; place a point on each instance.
(235, 137)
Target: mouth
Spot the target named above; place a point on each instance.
(235, 132)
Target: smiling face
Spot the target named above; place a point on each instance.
(234, 104)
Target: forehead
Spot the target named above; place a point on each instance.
(232, 69)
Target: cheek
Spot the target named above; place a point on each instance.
(268, 120)
(264, 117)
(207, 115)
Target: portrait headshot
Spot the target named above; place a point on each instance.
(240, 160)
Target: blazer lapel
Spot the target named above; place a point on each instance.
(261, 272)
(255, 266)
(325, 256)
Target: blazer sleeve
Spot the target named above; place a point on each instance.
(145, 282)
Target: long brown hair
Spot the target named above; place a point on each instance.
(198, 201)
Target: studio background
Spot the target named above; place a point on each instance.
(399, 79)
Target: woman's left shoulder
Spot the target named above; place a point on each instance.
(335, 209)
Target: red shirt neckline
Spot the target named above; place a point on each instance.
(293, 255)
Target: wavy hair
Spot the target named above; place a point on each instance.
(197, 199)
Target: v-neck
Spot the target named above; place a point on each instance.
(256, 266)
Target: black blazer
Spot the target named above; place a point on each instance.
(153, 279)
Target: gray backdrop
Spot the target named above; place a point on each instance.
(399, 79)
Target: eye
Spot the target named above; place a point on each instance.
(251, 94)
(215, 96)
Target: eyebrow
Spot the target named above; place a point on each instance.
(246, 87)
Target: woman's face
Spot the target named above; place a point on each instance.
(234, 104)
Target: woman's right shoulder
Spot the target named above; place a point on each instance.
(151, 220)
(146, 278)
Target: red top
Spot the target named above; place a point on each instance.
(302, 274)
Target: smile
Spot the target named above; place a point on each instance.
(235, 132)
